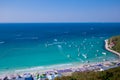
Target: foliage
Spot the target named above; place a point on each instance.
(116, 40)
(111, 74)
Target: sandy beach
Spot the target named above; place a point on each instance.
(72, 67)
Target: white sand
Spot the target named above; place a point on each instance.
(40, 71)
(51, 68)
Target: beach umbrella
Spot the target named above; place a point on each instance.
(100, 65)
(28, 77)
(20, 79)
(118, 64)
(49, 77)
(5, 78)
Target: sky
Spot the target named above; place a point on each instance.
(59, 11)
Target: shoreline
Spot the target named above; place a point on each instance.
(38, 69)
(43, 69)
(107, 48)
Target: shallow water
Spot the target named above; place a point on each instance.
(31, 45)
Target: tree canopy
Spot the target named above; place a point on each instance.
(111, 74)
(116, 40)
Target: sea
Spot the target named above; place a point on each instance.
(24, 46)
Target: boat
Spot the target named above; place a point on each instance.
(104, 53)
(85, 56)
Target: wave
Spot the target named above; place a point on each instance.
(55, 43)
(42, 68)
(23, 38)
(30, 69)
(2, 42)
(84, 55)
(80, 59)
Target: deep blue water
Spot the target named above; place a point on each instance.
(24, 45)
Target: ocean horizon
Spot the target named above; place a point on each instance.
(30, 45)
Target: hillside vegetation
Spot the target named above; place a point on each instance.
(111, 74)
(116, 41)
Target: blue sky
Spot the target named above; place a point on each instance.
(59, 10)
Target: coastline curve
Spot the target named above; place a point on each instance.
(107, 48)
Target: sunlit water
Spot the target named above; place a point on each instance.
(32, 45)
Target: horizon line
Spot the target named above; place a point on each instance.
(53, 22)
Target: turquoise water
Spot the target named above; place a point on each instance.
(31, 45)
